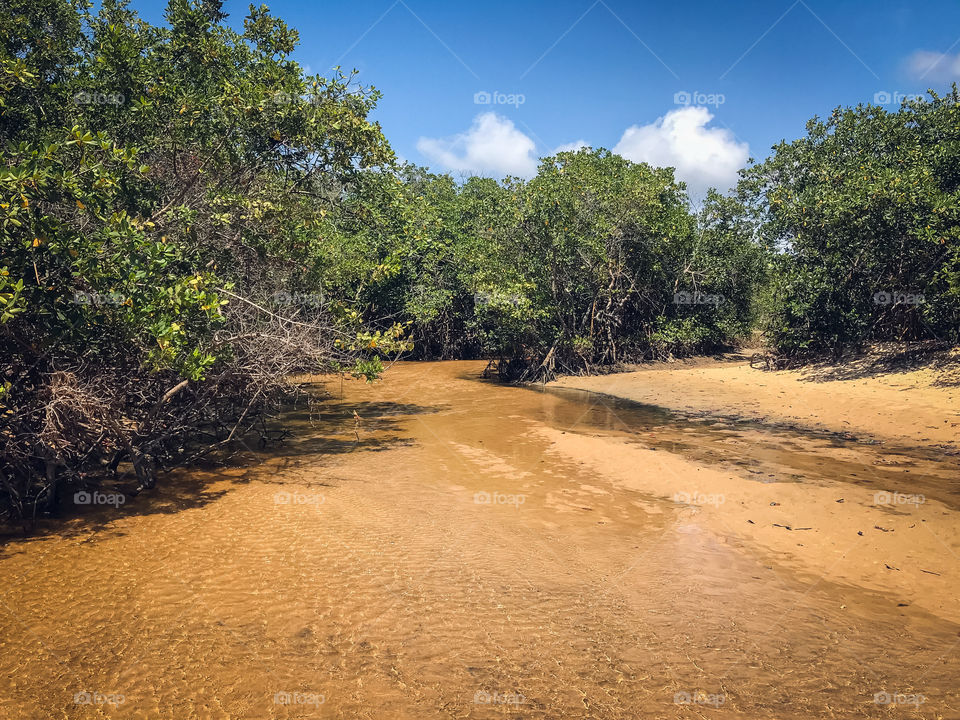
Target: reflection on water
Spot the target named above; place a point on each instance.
(768, 453)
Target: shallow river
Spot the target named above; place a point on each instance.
(437, 546)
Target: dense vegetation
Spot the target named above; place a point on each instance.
(865, 211)
(187, 220)
(163, 195)
(595, 261)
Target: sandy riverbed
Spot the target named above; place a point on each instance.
(889, 531)
(437, 546)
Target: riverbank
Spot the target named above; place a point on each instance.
(917, 405)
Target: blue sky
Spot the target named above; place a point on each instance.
(613, 73)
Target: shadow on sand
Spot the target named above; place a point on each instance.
(892, 359)
(325, 429)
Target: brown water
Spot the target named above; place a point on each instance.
(453, 563)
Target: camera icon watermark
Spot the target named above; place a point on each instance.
(85, 697)
(886, 698)
(282, 298)
(293, 498)
(685, 98)
(98, 299)
(486, 299)
(482, 97)
(98, 98)
(285, 98)
(699, 498)
(498, 498)
(685, 297)
(895, 498)
(698, 697)
(84, 497)
(485, 697)
(283, 697)
(897, 297)
(886, 97)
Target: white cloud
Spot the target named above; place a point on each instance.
(703, 157)
(571, 147)
(935, 66)
(492, 146)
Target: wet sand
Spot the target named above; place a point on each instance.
(472, 550)
(917, 406)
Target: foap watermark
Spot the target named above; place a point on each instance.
(698, 697)
(699, 498)
(484, 299)
(897, 297)
(86, 697)
(98, 98)
(282, 298)
(485, 697)
(293, 498)
(285, 98)
(498, 498)
(895, 498)
(685, 297)
(887, 97)
(283, 697)
(98, 299)
(482, 97)
(281, 97)
(886, 698)
(84, 497)
(686, 98)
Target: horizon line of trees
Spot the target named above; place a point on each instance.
(187, 220)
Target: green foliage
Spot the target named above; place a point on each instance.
(156, 184)
(868, 202)
(210, 165)
(607, 246)
(584, 259)
(11, 296)
(101, 279)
